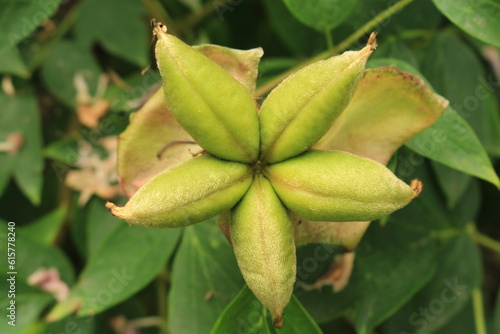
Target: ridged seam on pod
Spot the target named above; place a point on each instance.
(215, 109)
(190, 193)
(262, 238)
(298, 112)
(339, 186)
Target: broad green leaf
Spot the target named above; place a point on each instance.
(19, 19)
(11, 61)
(459, 272)
(100, 226)
(415, 18)
(321, 15)
(456, 72)
(477, 17)
(45, 229)
(65, 61)
(246, 314)
(65, 151)
(395, 48)
(154, 141)
(299, 39)
(119, 29)
(205, 278)
(452, 182)
(21, 115)
(72, 324)
(450, 141)
(463, 322)
(108, 279)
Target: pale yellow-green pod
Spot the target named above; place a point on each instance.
(214, 108)
(298, 112)
(190, 193)
(262, 238)
(339, 186)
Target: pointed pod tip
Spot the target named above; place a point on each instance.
(278, 321)
(417, 186)
(372, 41)
(114, 209)
(159, 29)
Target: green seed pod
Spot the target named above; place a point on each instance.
(339, 186)
(190, 193)
(303, 107)
(214, 108)
(262, 238)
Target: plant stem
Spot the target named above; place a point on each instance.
(482, 239)
(367, 27)
(477, 303)
(487, 242)
(329, 39)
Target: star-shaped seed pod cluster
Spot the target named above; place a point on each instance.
(259, 167)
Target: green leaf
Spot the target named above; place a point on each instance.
(452, 182)
(21, 115)
(64, 62)
(45, 229)
(19, 19)
(415, 18)
(205, 278)
(12, 62)
(456, 72)
(321, 14)
(299, 39)
(450, 141)
(100, 226)
(459, 272)
(107, 279)
(477, 17)
(119, 29)
(246, 314)
(72, 324)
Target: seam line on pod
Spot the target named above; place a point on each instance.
(319, 194)
(205, 195)
(310, 98)
(234, 139)
(263, 235)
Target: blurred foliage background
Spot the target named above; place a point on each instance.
(71, 76)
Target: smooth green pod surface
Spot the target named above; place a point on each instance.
(214, 108)
(190, 193)
(339, 186)
(298, 112)
(262, 238)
